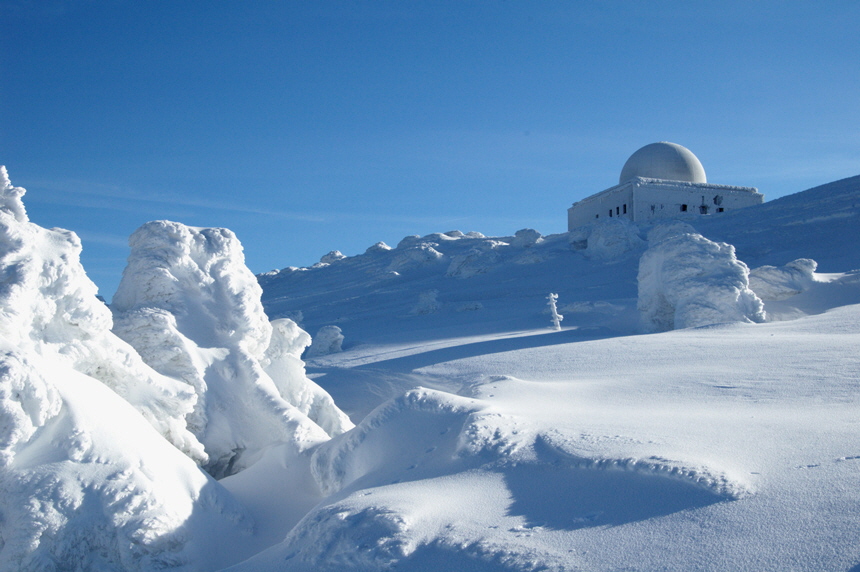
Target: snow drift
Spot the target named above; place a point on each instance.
(191, 307)
(327, 341)
(686, 280)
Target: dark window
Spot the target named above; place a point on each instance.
(597, 216)
(617, 210)
(721, 209)
(610, 212)
(683, 208)
(625, 208)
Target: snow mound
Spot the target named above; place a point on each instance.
(526, 237)
(332, 256)
(607, 240)
(409, 257)
(772, 283)
(327, 341)
(49, 308)
(686, 280)
(191, 307)
(464, 472)
(377, 446)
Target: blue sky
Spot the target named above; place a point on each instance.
(312, 126)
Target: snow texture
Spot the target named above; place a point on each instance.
(189, 305)
(49, 308)
(686, 280)
(609, 239)
(92, 470)
(772, 283)
(484, 441)
(327, 341)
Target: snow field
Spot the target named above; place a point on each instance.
(484, 439)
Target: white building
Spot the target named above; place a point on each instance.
(661, 180)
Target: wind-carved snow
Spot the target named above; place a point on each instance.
(89, 479)
(686, 280)
(534, 450)
(772, 283)
(449, 436)
(190, 306)
(49, 308)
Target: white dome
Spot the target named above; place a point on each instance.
(664, 160)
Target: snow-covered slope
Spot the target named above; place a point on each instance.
(484, 439)
(484, 285)
(731, 446)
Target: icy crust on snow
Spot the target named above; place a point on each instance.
(87, 479)
(48, 306)
(454, 437)
(686, 280)
(189, 305)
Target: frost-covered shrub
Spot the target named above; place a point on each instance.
(327, 341)
(772, 283)
(48, 307)
(191, 307)
(427, 303)
(283, 364)
(94, 453)
(686, 280)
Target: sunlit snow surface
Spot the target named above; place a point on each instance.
(724, 447)
(484, 439)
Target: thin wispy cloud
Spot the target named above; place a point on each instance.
(93, 195)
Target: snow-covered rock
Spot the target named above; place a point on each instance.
(191, 307)
(686, 280)
(772, 283)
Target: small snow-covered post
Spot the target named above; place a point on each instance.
(556, 317)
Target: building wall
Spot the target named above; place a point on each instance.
(617, 200)
(641, 200)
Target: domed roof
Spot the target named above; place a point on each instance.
(664, 160)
